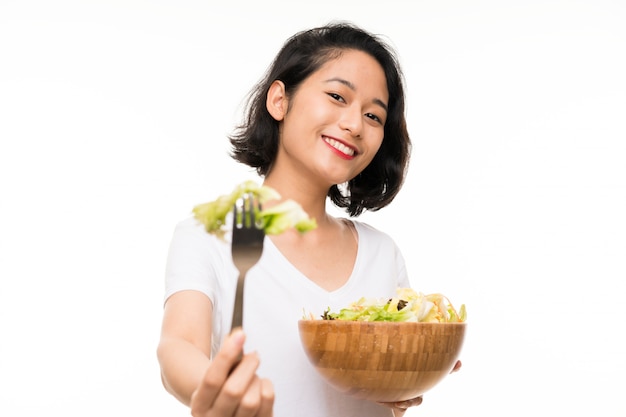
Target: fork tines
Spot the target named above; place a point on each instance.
(246, 247)
(244, 210)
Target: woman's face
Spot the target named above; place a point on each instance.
(335, 120)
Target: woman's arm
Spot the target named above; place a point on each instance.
(185, 345)
(208, 387)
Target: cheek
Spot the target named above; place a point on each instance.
(372, 151)
(378, 144)
(375, 146)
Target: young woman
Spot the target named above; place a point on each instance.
(326, 123)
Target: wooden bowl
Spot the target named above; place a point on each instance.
(382, 361)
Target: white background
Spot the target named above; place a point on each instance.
(113, 124)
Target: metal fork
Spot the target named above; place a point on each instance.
(246, 247)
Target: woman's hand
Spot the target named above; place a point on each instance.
(240, 393)
(400, 407)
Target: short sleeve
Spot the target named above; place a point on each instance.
(194, 260)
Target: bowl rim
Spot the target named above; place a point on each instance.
(381, 323)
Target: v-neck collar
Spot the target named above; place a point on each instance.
(289, 270)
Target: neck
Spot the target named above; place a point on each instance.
(311, 198)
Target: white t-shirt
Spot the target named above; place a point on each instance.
(276, 296)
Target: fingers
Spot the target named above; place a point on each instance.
(267, 399)
(258, 400)
(403, 405)
(241, 391)
(457, 366)
(400, 407)
(231, 386)
(216, 375)
(230, 353)
(250, 400)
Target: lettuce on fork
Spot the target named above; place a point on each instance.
(274, 220)
(407, 306)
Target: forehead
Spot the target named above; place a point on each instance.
(358, 68)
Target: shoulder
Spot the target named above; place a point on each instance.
(379, 256)
(190, 239)
(190, 225)
(190, 228)
(196, 259)
(372, 239)
(367, 231)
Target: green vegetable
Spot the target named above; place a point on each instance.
(408, 305)
(274, 220)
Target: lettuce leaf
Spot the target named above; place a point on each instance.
(275, 220)
(407, 306)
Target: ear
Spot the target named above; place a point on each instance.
(276, 102)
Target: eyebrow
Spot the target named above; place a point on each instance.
(353, 88)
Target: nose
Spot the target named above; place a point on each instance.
(352, 120)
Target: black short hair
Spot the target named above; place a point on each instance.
(255, 141)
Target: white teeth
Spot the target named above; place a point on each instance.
(340, 146)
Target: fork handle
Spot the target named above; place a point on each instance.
(238, 315)
(238, 311)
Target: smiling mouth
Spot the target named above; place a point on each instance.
(340, 146)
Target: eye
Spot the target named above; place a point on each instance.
(374, 117)
(337, 97)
